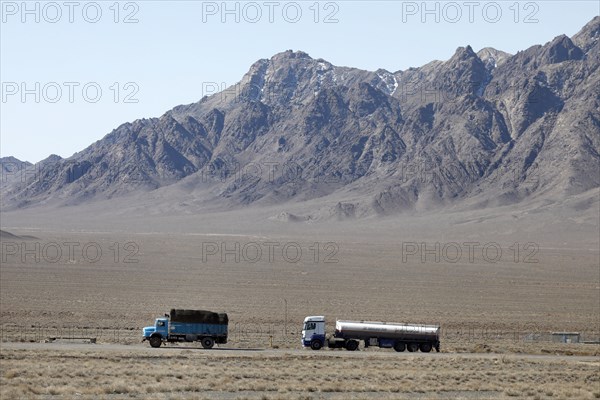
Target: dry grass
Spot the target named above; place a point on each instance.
(190, 374)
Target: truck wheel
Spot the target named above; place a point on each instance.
(155, 341)
(208, 343)
(399, 347)
(425, 347)
(316, 345)
(412, 347)
(351, 345)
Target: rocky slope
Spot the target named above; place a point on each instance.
(484, 128)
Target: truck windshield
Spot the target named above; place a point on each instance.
(161, 323)
(309, 326)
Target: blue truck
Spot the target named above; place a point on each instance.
(180, 325)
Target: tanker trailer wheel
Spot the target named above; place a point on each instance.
(425, 347)
(351, 345)
(208, 342)
(316, 345)
(412, 347)
(399, 347)
(155, 341)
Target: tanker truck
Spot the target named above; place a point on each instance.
(206, 327)
(348, 334)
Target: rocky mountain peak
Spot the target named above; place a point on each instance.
(11, 159)
(52, 158)
(464, 53)
(291, 55)
(464, 73)
(492, 57)
(560, 49)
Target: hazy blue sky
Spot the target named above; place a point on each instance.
(176, 48)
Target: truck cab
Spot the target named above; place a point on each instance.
(159, 330)
(313, 332)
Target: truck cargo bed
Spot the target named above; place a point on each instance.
(198, 316)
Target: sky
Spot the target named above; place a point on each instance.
(72, 71)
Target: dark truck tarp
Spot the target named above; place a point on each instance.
(199, 317)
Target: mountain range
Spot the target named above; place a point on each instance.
(481, 129)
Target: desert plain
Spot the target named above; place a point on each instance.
(64, 283)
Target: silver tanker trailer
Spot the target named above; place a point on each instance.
(348, 334)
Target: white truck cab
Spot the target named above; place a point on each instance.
(313, 332)
(349, 334)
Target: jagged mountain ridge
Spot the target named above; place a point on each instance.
(489, 127)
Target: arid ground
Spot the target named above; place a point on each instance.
(497, 308)
(110, 371)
